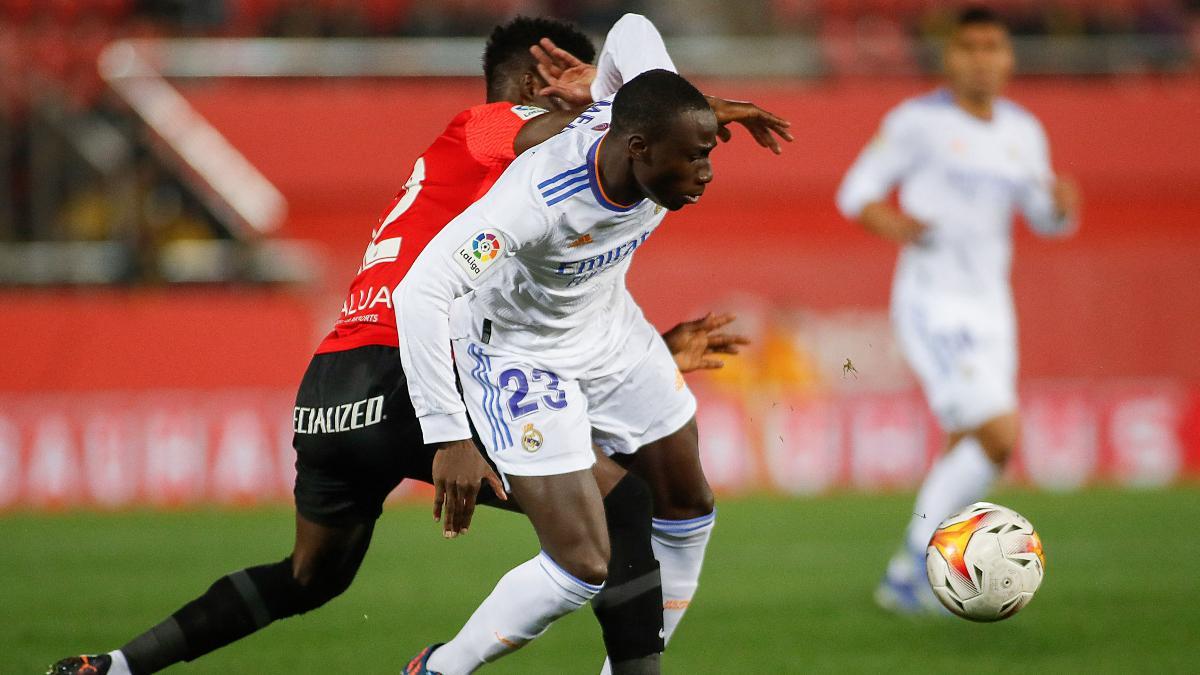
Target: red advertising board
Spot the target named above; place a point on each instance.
(177, 448)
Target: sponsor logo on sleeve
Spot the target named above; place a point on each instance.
(527, 112)
(478, 253)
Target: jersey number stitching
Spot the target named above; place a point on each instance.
(555, 398)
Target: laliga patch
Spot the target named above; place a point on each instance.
(527, 112)
(479, 252)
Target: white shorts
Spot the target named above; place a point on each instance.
(964, 352)
(535, 421)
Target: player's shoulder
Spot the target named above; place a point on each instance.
(922, 107)
(559, 173)
(1007, 106)
(503, 111)
(545, 175)
(563, 166)
(1019, 115)
(490, 130)
(594, 121)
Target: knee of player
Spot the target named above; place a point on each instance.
(322, 581)
(1000, 442)
(697, 501)
(588, 564)
(999, 452)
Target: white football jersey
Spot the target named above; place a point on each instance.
(545, 253)
(962, 177)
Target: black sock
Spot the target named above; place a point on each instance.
(630, 608)
(232, 608)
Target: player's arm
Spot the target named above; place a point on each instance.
(762, 125)
(544, 126)
(632, 47)
(697, 345)
(863, 194)
(445, 270)
(1050, 203)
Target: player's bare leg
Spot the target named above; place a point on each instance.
(566, 512)
(974, 459)
(322, 565)
(998, 437)
(671, 467)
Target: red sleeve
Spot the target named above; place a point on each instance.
(492, 130)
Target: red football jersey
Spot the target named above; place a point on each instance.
(461, 165)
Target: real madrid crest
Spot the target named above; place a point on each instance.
(531, 438)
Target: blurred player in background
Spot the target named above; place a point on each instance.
(349, 463)
(963, 158)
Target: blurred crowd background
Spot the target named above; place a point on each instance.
(74, 167)
(179, 219)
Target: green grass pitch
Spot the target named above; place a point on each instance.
(787, 588)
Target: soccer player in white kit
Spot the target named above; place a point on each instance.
(963, 159)
(551, 351)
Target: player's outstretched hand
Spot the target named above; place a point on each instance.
(458, 473)
(890, 223)
(762, 125)
(695, 344)
(1066, 197)
(567, 77)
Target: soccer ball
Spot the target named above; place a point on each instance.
(985, 562)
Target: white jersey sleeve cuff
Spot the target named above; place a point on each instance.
(442, 427)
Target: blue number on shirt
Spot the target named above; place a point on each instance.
(555, 399)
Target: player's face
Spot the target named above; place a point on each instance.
(979, 60)
(674, 169)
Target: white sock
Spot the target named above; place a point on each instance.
(679, 546)
(521, 607)
(119, 665)
(963, 476)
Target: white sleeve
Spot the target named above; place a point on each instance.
(893, 151)
(455, 262)
(632, 47)
(1034, 197)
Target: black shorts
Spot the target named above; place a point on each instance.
(356, 436)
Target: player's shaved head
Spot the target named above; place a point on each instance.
(649, 103)
(506, 59)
